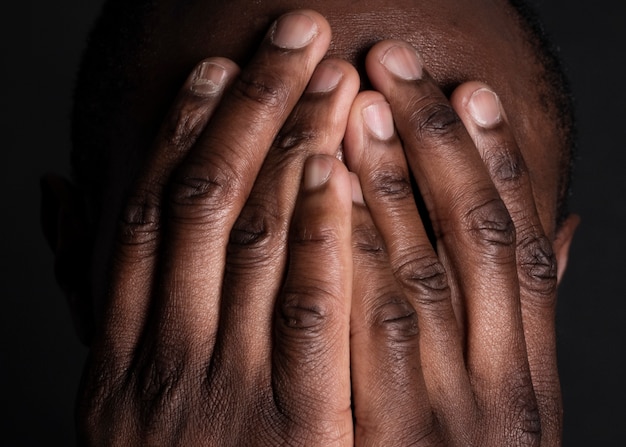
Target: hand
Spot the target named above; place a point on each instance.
(451, 344)
(210, 336)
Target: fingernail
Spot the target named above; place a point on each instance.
(293, 31)
(404, 62)
(357, 192)
(317, 171)
(484, 107)
(378, 119)
(208, 79)
(324, 79)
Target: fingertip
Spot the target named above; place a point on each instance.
(378, 120)
(317, 171)
(357, 131)
(298, 29)
(480, 103)
(391, 61)
(211, 76)
(325, 199)
(332, 72)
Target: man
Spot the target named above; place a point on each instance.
(245, 288)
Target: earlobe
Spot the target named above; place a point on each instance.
(64, 225)
(564, 236)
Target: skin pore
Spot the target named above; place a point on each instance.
(190, 281)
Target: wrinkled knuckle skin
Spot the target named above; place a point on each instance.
(436, 121)
(298, 135)
(537, 267)
(139, 222)
(161, 385)
(424, 276)
(100, 397)
(525, 419)
(306, 314)
(185, 127)
(265, 88)
(201, 197)
(512, 406)
(320, 236)
(257, 226)
(257, 237)
(390, 185)
(505, 164)
(158, 379)
(394, 319)
(367, 241)
(492, 228)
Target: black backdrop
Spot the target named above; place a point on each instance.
(40, 359)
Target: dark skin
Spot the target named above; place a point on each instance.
(246, 303)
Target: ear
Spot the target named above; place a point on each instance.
(562, 242)
(64, 225)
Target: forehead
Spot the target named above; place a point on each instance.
(458, 39)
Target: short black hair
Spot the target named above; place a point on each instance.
(558, 94)
(111, 66)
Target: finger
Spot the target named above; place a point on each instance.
(390, 397)
(311, 355)
(211, 186)
(475, 234)
(257, 252)
(484, 117)
(140, 226)
(374, 152)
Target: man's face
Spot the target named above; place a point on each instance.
(458, 40)
(187, 274)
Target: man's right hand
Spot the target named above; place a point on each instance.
(213, 333)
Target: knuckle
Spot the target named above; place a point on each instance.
(257, 225)
(491, 227)
(366, 240)
(551, 412)
(307, 312)
(537, 266)
(525, 418)
(160, 385)
(394, 319)
(256, 236)
(159, 378)
(391, 184)
(436, 120)
(296, 136)
(424, 275)
(100, 394)
(505, 164)
(185, 126)
(262, 87)
(202, 196)
(140, 219)
(514, 406)
(318, 235)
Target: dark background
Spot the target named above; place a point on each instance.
(40, 359)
